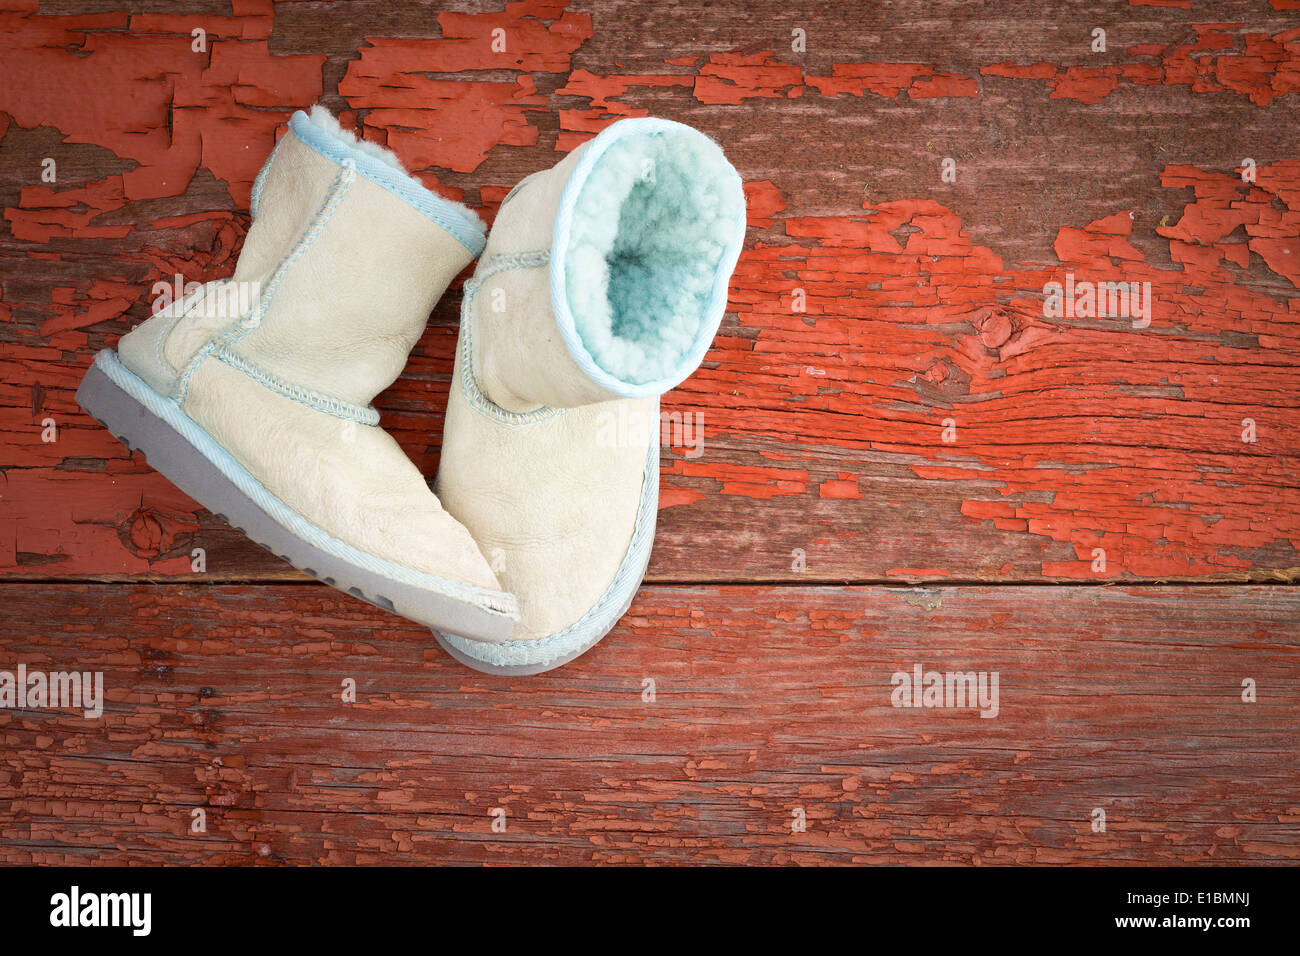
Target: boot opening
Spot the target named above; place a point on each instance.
(653, 235)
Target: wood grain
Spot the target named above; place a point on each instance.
(889, 401)
(823, 430)
(765, 700)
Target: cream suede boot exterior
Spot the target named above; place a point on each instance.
(253, 394)
(602, 285)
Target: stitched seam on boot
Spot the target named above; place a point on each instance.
(161, 341)
(361, 414)
(609, 607)
(180, 310)
(241, 327)
(468, 382)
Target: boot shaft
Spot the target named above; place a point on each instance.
(606, 276)
(345, 259)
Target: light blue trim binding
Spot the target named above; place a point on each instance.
(452, 217)
(605, 613)
(468, 381)
(207, 446)
(255, 201)
(714, 310)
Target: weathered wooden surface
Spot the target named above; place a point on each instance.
(824, 459)
(765, 700)
(823, 429)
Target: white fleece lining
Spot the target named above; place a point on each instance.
(652, 227)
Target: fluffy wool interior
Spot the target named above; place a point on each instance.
(650, 228)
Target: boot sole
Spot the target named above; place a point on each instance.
(527, 670)
(145, 421)
(556, 650)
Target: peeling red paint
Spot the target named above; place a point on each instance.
(671, 497)
(748, 480)
(1254, 65)
(1086, 432)
(1225, 203)
(579, 125)
(448, 123)
(735, 77)
(217, 109)
(454, 123)
(858, 79)
(529, 43)
(1113, 487)
(846, 487)
(943, 84)
(762, 201)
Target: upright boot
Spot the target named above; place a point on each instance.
(253, 394)
(602, 285)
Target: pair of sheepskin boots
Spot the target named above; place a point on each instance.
(601, 286)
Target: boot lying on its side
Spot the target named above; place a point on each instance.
(602, 285)
(257, 405)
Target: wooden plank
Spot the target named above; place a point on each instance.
(766, 700)
(824, 455)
